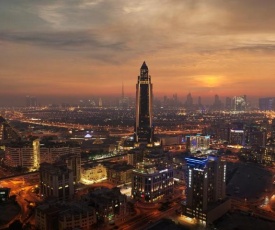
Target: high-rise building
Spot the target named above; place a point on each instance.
(267, 103)
(228, 103)
(144, 125)
(73, 162)
(189, 102)
(217, 105)
(237, 133)
(255, 134)
(199, 102)
(100, 102)
(205, 192)
(7, 133)
(239, 103)
(31, 101)
(123, 101)
(272, 129)
(269, 155)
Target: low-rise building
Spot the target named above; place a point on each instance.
(151, 183)
(93, 172)
(77, 216)
(99, 145)
(56, 216)
(56, 181)
(46, 217)
(135, 156)
(110, 205)
(4, 194)
(51, 152)
(23, 154)
(119, 173)
(197, 142)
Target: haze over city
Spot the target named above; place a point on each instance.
(84, 48)
(137, 115)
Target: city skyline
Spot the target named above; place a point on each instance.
(81, 48)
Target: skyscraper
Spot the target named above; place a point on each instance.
(123, 101)
(7, 132)
(228, 103)
(144, 127)
(205, 191)
(217, 105)
(189, 102)
(239, 103)
(31, 101)
(267, 103)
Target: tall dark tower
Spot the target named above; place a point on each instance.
(143, 127)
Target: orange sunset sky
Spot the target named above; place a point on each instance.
(82, 48)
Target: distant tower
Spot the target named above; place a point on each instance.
(143, 126)
(100, 102)
(123, 101)
(189, 101)
(228, 103)
(239, 103)
(122, 93)
(31, 101)
(199, 101)
(267, 103)
(217, 105)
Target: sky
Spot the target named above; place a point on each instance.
(85, 48)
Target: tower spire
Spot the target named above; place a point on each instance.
(122, 93)
(144, 66)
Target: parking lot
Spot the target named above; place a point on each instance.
(249, 180)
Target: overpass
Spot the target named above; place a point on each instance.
(18, 175)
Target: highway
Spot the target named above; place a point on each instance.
(148, 217)
(4, 178)
(119, 131)
(252, 208)
(22, 188)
